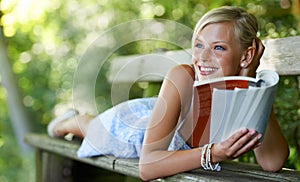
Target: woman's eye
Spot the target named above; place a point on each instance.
(219, 48)
(198, 45)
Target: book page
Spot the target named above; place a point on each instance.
(259, 113)
(245, 107)
(232, 122)
(221, 103)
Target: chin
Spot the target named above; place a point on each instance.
(210, 76)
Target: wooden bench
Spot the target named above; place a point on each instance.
(56, 159)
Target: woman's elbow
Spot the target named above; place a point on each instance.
(275, 165)
(145, 172)
(272, 167)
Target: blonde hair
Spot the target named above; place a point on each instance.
(245, 24)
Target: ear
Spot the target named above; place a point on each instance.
(247, 57)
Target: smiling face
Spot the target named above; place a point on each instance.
(216, 51)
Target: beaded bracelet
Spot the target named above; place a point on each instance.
(203, 161)
(206, 159)
(212, 167)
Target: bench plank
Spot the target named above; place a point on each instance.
(230, 170)
(281, 55)
(67, 149)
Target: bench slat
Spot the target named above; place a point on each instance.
(230, 170)
(281, 55)
(67, 149)
(147, 67)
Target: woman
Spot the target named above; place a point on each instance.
(158, 129)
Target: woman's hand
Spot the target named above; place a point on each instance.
(250, 70)
(236, 145)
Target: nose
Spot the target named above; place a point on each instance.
(205, 54)
(202, 55)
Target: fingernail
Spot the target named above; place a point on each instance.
(244, 130)
(252, 132)
(259, 136)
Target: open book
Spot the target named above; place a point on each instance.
(224, 105)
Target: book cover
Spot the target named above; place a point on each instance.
(224, 105)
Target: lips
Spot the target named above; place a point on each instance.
(207, 70)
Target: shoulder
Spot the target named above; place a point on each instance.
(182, 71)
(179, 82)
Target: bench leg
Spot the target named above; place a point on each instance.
(51, 167)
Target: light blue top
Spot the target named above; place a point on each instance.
(119, 131)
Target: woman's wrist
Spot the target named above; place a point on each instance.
(206, 159)
(214, 155)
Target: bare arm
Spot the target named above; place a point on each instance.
(155, 160)
(274, 150)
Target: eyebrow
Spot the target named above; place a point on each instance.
(220, 41)
(215, 42)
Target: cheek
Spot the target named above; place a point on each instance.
(230, 67)
(194, 56)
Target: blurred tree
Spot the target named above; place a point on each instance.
(17, 112)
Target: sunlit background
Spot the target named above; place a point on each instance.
(45, 39)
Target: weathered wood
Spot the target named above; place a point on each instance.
(281, 55)
(57, 161)
(55, 167)
(148, 67)
(67, 149)
(230, 170)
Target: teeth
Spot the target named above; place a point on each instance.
(207, 69)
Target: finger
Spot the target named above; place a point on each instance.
(249, 145)
(243, 140)
(246, 149)
(236, 137)
(228, 148)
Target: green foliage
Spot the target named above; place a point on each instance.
(46, 40)
(288, 114)
(13, 165)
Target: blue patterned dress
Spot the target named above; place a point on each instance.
(119, 131)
